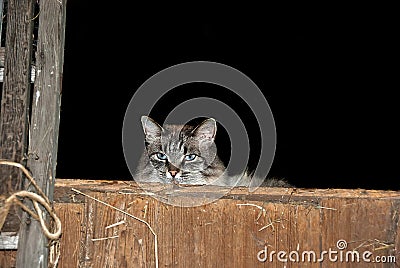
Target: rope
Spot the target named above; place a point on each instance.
(36, 199)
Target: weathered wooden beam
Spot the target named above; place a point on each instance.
(2, 57)
(15, 97)
(1, 26)
(7, 258)
(33, 245)
(230, 232)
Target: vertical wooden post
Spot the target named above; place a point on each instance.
(46, 101)
(15, 96)
(1, 20)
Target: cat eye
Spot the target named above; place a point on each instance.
(190, 157)
(161, 156)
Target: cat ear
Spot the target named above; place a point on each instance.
(151, 129)
(206, 131)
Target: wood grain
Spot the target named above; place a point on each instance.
(72, 217)
(231, 231)
(15, 98)
(8, 258)
(44, 125)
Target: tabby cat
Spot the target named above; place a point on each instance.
(184, 154)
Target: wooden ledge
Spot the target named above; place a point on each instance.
(233, 231)
(63, 189)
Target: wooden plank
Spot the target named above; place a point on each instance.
(32, 247)
(396, 229)
(8, 258)
(232, 231)
(2, 57)
(361, 225)
(15, 98)
(72, 217)
(129, 241)
(282, 195)
(1, 25)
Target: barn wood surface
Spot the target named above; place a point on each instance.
(33, 246)
(15, 98)
(229, 232)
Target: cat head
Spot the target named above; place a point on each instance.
(182, 154)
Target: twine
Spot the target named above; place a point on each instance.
(36, 199)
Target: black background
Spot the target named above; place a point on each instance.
(326, 76)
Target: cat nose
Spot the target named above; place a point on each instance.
(173, 173)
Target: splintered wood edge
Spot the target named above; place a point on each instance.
(63, 192)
